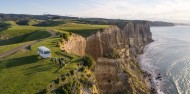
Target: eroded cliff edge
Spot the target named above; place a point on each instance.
(115, 50)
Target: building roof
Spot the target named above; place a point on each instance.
(43, 48)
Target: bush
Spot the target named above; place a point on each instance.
(89, 75)
(82, 69)
(70, 33)
(86, 82)
(58, 44)
(65, 36)
(112, 53)
(22, 22)
(72, 72)
(63, 79)
(2, 24)
(64, 91)
(68, 74)
(56, 81)
(69, 87)
(88, 61)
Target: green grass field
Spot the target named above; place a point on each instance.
(9, 47)
(23, 72)
(82, 29)
(15, 31)
(39, 34)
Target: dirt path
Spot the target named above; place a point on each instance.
(14, 50)
(53, 34)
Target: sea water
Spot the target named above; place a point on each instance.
(169, 55)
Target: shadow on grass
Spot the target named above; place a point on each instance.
(9, 63)
(3, 28)
(37, 35)
(13, 40)
(49, 23)
(65, 55)
(37, 69)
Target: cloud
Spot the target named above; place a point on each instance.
(137, 9)
(166, 10)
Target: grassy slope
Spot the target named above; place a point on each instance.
(16, 31)
(27, 37)
(82, 29)
(9, 47)
(135, 80)
(24, 73)
(37, 35)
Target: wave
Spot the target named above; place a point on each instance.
(145, 64)
(168, 55)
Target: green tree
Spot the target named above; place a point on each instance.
(65, 36)
(23, 22)
(88, 61)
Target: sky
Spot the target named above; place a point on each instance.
(155, 10)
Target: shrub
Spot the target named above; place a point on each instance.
(72, 72)
(2, 24)
(86, 82)
(65, 36)
(82, 69)
(58, 44)
(22, 22)
(68, 74)
(89, 75)
(63, 79)
(69, 87)
(70, 33)
(56, 81)
(88, 61)
(64, 91)
(112, 53)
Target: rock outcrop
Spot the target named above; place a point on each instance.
(76, 44)
(121, 75)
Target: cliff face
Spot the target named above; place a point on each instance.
(121, 75)
(133, 36)
(76, 45)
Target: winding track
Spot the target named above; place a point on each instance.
(14, 50)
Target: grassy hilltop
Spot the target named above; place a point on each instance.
(23, 72)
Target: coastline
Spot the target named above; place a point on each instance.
(155, 79)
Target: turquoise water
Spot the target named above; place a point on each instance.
(169, 55)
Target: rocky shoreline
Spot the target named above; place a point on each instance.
(153, 84)
(154, 78)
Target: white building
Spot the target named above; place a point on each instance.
(44, 52)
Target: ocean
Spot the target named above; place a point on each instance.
(169, 55)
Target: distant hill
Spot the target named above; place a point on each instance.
(160, 23)
(27, 17)
(182, 24)
(22, 18)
